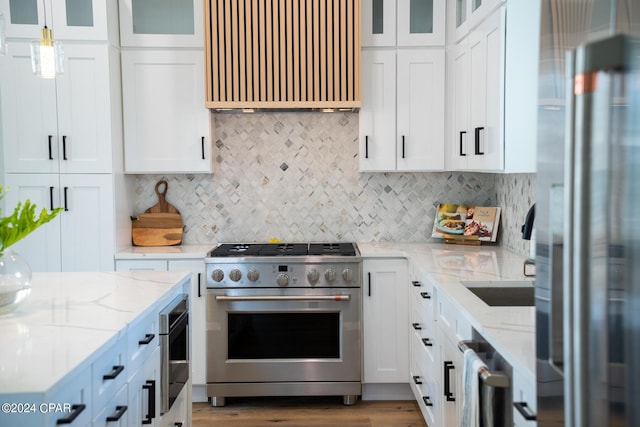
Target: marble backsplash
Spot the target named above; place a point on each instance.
(294, 176)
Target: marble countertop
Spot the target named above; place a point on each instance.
(68, 317)
(511, 330)
(165, 252)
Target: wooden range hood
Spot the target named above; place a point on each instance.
(282, 54)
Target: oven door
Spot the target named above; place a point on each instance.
(283, 335)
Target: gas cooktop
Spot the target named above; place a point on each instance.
(237, 250)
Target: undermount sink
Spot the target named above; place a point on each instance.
(504, 293)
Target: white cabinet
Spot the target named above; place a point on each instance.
(423, 348)
(166, 126)
(57, 125)
(524, 400)
(81, 238)
(495, 92)
(450, 379)
(164, 23)
(180, 413)
(197, 310)
(403, 23)
(144, 393)
(469, 13)
(385, 318)
(69, 19)
(402, 112)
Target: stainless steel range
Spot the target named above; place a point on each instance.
(284, 320)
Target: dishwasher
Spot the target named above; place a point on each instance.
(495, 394)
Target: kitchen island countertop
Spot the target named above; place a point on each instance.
(511, 330)
(69, 317)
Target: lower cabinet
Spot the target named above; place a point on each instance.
(385, 317)
(451, 379)
(144, 393)
(197, 309)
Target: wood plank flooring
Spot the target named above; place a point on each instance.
(307, 412)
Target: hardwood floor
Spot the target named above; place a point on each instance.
(307, 412)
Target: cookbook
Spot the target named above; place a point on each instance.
(466, 222)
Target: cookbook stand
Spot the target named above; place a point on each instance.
(454, 240)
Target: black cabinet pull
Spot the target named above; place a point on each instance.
(462, 133)
(425, 295)
(147, 339)
(477, 137)
(203, 148)
(119, 412)
(51, 198)
(403, 146)
(426, 400)
(416, 326)
(416, 283)
(366, 146)
(64, 147)
(525, 411)
(75, 411)
(416, 379)
(178, 424)
(66, 208)
(117, 369)
(448, 366)
(50, 148)
(369, 279)
(199, 281)
(150, 386)
(427, 342)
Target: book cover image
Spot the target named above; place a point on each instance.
(466, 222)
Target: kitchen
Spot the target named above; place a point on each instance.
(314, 157)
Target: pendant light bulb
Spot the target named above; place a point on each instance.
(3, 35)
(46, 55)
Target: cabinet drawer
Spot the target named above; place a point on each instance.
(451, 321)
(73, 395)
(524, 395)
(144, 265)
(108, 374)
(423, 382)
(114, 412)
(142, 339)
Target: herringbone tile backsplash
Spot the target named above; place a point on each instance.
(294, 176)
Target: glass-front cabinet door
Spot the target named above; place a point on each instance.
(470, 13)
(403, 22)
(161, 23)
(69, 19)
(421, 22)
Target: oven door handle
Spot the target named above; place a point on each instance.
(285, 298)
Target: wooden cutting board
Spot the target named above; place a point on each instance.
(160, 225)
(162, 205)
(156, 229)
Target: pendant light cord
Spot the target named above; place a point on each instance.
(44, 7)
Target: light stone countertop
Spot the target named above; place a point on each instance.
(511, 330)
(165, 252)
(68, 317)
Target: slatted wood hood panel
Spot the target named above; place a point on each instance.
(282, 53)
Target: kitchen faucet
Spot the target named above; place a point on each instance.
(527, 230)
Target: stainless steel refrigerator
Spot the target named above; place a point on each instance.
(588, 214)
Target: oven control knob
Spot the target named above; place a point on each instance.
(217, 275)
(253, 275)
(313, 276)
(282, 280)
(347, 274)
(330, 275)
(235, 275)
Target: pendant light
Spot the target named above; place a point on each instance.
(3, 35)
(46, 53)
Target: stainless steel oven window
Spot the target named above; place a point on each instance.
(174, 347)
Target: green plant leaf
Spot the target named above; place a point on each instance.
(22, 222)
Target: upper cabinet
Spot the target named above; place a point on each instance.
(57, 125)
(69, 19)
(164, 23)
(387, 23)
(282, 54)
(166, 126)
(469, 13)
(402, 113)
(494, 92)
